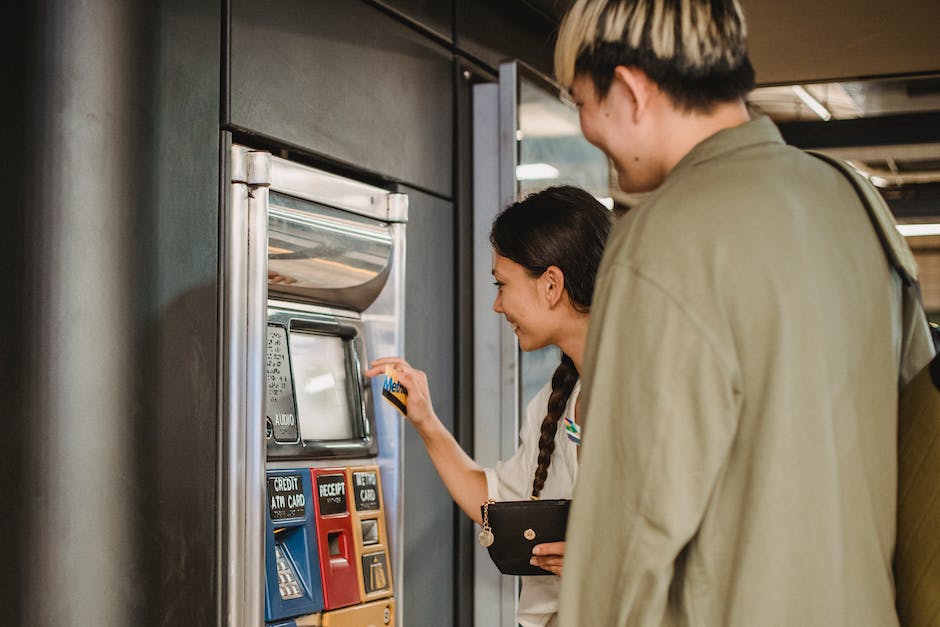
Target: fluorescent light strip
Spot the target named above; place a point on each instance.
(536, 172)
(812, 103)
(916, 230)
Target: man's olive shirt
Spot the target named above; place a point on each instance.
(741, 375)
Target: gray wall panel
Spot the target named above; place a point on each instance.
(435, 15)
(428, 511)
(185, 318)
(465, 532)
(343, 79)
(497, 30)
(120, 182)
(17, 282)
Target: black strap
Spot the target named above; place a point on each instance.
(911, 284)
(905, 273)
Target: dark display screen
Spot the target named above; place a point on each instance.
(325, 401)
(318, 403)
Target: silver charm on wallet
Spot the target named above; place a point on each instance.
(486, 536)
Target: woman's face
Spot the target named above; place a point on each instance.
(518, 298)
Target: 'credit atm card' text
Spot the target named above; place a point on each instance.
(286, 497)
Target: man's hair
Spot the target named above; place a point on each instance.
(694, 50)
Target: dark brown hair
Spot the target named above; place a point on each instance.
(567, 228)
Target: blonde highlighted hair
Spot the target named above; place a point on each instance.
(694, 49)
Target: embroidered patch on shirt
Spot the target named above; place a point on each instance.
(573, 430)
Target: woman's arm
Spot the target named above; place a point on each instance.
(461, 475)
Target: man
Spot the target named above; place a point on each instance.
(739, 461)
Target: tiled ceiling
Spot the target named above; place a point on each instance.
(874, 68)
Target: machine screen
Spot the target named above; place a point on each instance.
(325, 403)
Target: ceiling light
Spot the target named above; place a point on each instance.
(915, 230)
(535, 171)
(607, 202)
(810, 101)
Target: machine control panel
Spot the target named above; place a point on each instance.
(293, 585)
(281, 418)
(370, 534)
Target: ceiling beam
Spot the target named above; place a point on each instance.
(887, 130)
(914, 201)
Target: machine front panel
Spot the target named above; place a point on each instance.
(335, 270)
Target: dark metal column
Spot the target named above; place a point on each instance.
(114, 213)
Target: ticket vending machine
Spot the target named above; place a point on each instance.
(334, 301)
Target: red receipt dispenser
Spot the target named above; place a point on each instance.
(338, 567)
(369, 533)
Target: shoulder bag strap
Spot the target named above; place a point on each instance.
(914, 318)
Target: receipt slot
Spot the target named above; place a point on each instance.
(292, 570)
(335, 536)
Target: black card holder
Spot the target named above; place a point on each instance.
(517, 526)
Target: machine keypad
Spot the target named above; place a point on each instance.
(288, 585)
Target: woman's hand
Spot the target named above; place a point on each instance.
(420, 411)
(550, 556)
(464, 479)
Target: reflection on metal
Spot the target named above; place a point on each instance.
(319, 255)
(330, 240)
(551, 137)
(241, 485)
(321, 187)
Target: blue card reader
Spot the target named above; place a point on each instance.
(293, 586)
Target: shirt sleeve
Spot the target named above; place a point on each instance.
(660, 412)
(511, 479)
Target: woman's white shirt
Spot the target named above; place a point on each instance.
(511, 480)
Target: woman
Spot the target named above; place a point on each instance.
(546, 250)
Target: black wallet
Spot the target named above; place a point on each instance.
(516, 526)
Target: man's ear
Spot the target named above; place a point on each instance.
(553, 284)
(638, 87)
